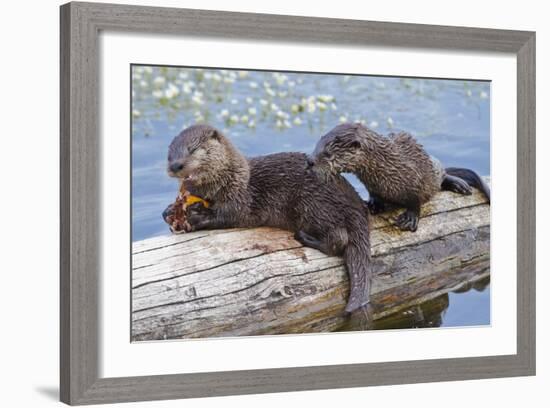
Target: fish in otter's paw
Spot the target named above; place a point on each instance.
(276, 190)
(396, 170)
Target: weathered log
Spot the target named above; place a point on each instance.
(261, 281)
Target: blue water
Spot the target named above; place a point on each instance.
(265, 112)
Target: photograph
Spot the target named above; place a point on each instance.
(271, 202)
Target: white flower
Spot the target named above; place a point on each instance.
(270, 92)
(253, 84)
(280, 78)
(252, 111)
(233, 119)
(136, 113)
(186, 88)
(483, 95)
(143, 84)
(249, 99)
(263, 102)
(390, 121)
(333, 106)
(216, 77)
(159, 81)
(251, 124)
(148, 70)
(311, 107)
(373, 124)
(283, 94)
(158, 93)
(343, 119)
(243, 74)
(234, 101)
(295, 108)
(274, 107)
(224, 113)
(326, 98)
(322, 106)
(183, 75)
(172, 91)
(228, 80)
(281, 114)
(468, 92)
(244, 119)
(197, 98)
(297, 121)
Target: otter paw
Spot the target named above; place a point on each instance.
(407, 221)
(202, 220)
(168, 214)
(461, 187)
(198, 209)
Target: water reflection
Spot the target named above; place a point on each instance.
(434, 312)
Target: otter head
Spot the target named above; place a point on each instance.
(200, 154)
(338, 151)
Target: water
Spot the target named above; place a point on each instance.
(265, 112)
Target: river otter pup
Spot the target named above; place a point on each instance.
(396, 169)
(277, 190)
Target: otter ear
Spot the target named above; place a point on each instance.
(355, 144)
(214, 134)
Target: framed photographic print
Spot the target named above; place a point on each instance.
(233, 183)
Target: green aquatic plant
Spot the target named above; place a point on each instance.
(244, 100)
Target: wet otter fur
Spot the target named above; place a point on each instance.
(277, 190)
(396, 170)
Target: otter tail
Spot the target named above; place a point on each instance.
(472, 178)
(357, 259)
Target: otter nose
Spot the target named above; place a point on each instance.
(176, 167)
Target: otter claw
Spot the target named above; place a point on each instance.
(462, 188)
(407, 221)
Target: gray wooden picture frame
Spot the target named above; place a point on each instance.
(81, 24)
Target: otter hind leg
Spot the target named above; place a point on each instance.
(455, 184)
(332, 244)
(307, 240)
